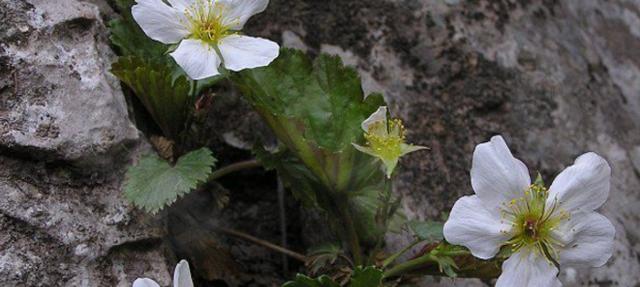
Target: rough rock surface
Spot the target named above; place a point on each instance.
(65, 140)
(555, 78)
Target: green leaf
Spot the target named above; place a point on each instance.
(154, 183)
(324, 95)
(166, 99)
(427, 230)
(366, 277)
(304, 281)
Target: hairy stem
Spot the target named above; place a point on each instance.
(258, 241)
(238, 166)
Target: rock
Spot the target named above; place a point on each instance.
(59, 101)
(65, 142)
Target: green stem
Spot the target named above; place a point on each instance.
(193, 88)
(248, 164)
(383, 214)
(395, 256)
(428, 264)
(407, 266)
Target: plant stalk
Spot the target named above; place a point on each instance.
(238, 166)
(258, 241)
(407, 266)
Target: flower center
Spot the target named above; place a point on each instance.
(386, 138)
(206, 21)
(533, 222)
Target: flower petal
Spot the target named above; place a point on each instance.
(472, 225)
(587, 239)
(408, 148)
(528, 269)
(198, 59)
(145, 282)
(181, 5)
(584, 186)
(160, 21)
(378, 116)
(182, 275)
(244, 52)
(239, 11)
(497, 176)
(365, 149)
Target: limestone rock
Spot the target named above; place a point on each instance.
(65, 141)
(59, 100)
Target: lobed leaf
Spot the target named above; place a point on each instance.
(324, 95)
(154, 183)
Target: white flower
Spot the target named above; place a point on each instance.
(208, 33)
(181, 277)
(385, 139)
(543, 228)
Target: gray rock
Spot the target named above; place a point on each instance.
(65, 141)
(59, 100)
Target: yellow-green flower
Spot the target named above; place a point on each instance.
(385, 139)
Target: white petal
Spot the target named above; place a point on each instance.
(378, 116)
(160, 21)
(244, 52)
(584, 186)
(145, 282)
(237, 12)
(528, 269)
(198, 59)
(587, 239)
(472, 225)
(181, 5)
(182, 275)
(497, 176)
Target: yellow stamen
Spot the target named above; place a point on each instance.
(533, 222)
(386, 138)
(206, 21)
